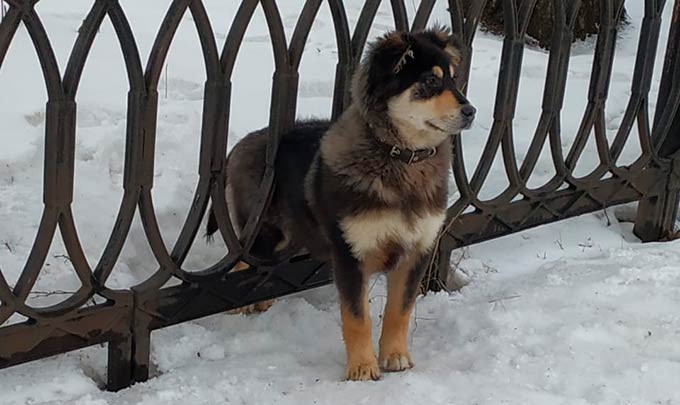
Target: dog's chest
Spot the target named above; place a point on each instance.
(372, 231)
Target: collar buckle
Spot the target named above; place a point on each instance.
(395, 151)
(412, 158)
(409, 156)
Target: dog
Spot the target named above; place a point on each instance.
(367, 192)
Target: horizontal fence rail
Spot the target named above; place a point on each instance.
(126, 318)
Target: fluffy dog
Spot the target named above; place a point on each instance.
(369, 191)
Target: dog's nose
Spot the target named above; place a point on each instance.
(468, 111)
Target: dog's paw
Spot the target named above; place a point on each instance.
(396, 362)
(256, 308)
(263, 306)
(364, 371)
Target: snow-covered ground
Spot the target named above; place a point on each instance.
(577, 312)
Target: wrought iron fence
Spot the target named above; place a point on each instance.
(127, 317)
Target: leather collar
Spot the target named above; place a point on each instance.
(405, 155)
(410, 156)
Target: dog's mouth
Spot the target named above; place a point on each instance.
(435, 127)
(453, 129)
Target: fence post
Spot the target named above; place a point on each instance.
(119, 367)
(141, 351)
(140, 362)
(657, 212)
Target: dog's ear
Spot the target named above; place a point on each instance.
(450, 43)
(376, 80)
(454, 48)
(392, 52)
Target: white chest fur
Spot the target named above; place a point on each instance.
(368, 231)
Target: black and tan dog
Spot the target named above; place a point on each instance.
(367, 192)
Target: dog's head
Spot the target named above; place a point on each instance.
(410, 79)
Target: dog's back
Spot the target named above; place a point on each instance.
(279, 236)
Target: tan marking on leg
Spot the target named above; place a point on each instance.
(356, 332)
(252, 308)
(361, 361)
(394, 355)
(263, 306)
(241, 265)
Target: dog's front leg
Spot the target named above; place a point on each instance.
(356, 331)
(352, 284)
(402, 287)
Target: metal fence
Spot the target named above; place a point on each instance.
(126, 319)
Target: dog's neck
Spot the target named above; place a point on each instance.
(388, 138)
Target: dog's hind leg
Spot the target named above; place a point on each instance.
(402, 288)
(269, 240)
(255, 308)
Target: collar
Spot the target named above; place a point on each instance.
(410, 156)
(405, 155)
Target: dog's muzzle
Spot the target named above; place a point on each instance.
(457, 122)
(467, 115)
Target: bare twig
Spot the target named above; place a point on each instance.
(43, 294)
(383, 296)
(452, 282)
(670, 236)
(511, 297)
(501, 301)
(586, 245)
(464, 254)
(415, 322)
(372, 285)
(559, 242)
(65, 257)
(433, 256)
(9, 247)
(489, 269)
(425, 319)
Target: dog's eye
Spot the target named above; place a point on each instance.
(431, 81)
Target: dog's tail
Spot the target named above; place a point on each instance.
(212, 226)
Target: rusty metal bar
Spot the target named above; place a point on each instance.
(657, 212)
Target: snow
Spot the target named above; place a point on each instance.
(577, 312)
(595, 324)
